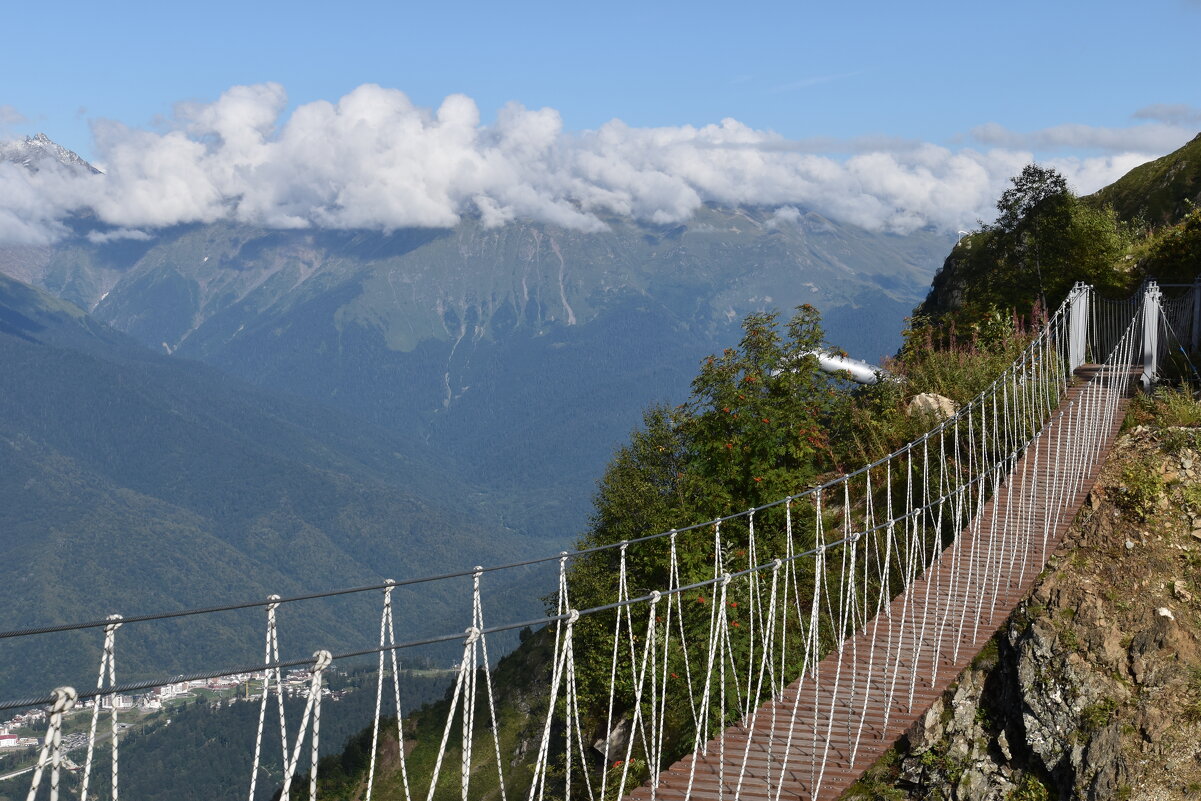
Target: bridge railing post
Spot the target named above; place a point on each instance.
(1195, 339)
(1079, 324)
(1151, 299)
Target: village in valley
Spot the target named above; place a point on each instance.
(26, 730)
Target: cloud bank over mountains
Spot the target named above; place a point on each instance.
(375, 160)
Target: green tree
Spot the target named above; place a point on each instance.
(753, 427)
(1043, 240)
(1032, 191)
(752, 431)
(1175, 253)
(1033, 214)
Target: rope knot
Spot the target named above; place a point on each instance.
(624, 544)
(64, 699)
(115, 624)
(272, 602)
(726, 578)
(324, 659)
(572, 616)
(473, 634)
(776, 564)
(655, 596)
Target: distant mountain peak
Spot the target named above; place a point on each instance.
(33, 151)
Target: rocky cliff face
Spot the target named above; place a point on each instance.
(1092, 689)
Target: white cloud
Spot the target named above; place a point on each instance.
(118, 234)
(1152, 137)
(783, 217)
(1170, 113)
(32, 205)
(375, 160)
(1088, 175)
(9, 116)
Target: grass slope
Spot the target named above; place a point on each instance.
(1160, 192)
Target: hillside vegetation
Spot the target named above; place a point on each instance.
(1159, 193)
(1145, 225)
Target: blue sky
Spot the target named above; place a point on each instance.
(1098, 86)
(931, 72)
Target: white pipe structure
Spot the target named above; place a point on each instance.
(861, 372)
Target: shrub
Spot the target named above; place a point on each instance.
(1031, 788)
(1175, 407)
(1139, 492)
(1094, 716)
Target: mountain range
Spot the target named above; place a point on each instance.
(218, 411)
(522, 353)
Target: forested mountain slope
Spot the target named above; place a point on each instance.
(136, 482)
(1160, 192)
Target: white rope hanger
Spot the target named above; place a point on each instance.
(52, 753)
(270, 656)
(107, 678)
(312, 710)
(387, 638)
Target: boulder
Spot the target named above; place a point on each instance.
(930, 404)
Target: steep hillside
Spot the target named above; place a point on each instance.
(1157, 193)
(136, 482)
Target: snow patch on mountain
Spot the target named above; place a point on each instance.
(33, 153)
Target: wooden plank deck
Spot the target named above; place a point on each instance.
(792, 734)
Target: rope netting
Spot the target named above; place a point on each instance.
(760, 638)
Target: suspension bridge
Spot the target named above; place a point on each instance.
(814, 632)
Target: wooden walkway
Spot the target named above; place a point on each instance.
(789, 766)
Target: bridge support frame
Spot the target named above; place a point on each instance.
(1151, 299)
(1078, 326)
